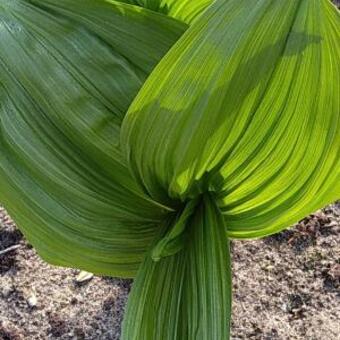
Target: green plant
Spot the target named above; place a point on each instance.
(231, 131)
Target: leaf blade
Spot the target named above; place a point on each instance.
(192, 289)
(62, 175)
(215, 86)
(183, 10)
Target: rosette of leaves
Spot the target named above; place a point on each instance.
(138, 137)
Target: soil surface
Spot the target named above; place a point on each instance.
(284, 287)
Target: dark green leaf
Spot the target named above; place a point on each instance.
(64, 89)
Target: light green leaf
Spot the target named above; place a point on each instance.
(184, 10)
(64, 89)
(246, 105)
(188, 295)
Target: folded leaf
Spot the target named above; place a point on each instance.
(64, 90)
(188, 295)
(174, 239)
(245, 105)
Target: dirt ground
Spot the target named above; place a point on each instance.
(285, 287)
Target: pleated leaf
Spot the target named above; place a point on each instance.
(64, 89)
(188, 295)
(183, 10)
(142, 37)
(246, 105)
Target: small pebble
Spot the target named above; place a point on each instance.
(6, 291)
(84, 276)
(32, 300)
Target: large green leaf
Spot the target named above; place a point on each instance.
(64, 89)
(142, 37)
(184, 10)
(188, 295)
(246, 105)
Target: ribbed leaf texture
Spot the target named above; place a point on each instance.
(246, 104)
(64, 91)
(184, 10)
(185, 296)
(137, 136)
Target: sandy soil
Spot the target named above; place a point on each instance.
(285, 287)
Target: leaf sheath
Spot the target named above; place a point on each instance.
(187, 295)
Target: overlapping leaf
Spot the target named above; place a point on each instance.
(188, 295)
(142, 37)
(245, 105)
(184, 10)
(64, 89)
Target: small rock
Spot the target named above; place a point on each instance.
(32, 300)
(84, 276)
(6, 291)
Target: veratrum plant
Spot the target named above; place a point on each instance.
(137, 137)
